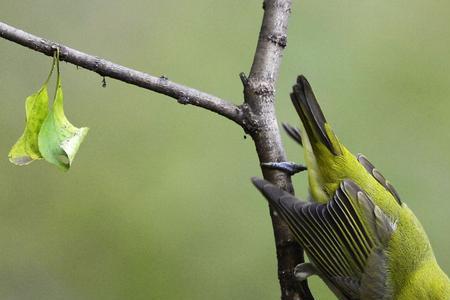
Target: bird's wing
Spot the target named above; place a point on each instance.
(340, 237)
(378, 176)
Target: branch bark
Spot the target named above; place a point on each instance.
(105, 68)
(259, 93)
(256, 116)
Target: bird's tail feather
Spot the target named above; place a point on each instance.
(310, 113)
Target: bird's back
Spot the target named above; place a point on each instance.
(406, 252)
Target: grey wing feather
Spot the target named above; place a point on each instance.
(340, 237)
(378, 176)
(374, 282)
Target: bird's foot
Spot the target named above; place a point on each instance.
(304, 270)
(289, 167)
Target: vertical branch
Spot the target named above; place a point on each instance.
(256, 115)
(259, 93)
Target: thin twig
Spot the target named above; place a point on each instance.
(259, 93)
(105, 68)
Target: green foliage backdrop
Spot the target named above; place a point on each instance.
(158, 203)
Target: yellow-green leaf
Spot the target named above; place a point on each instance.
(58, 139)
(26, 149)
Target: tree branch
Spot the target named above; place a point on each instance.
(105, 68)
(256, 116)
(259, 92)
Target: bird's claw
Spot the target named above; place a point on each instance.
(304, 270)
(289, 167)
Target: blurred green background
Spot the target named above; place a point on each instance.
(158, 204)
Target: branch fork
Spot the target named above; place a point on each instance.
(256, 115)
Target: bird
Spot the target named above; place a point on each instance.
(361, 239)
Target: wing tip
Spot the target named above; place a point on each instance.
(274, 194)
(270, 191)
(258, 182)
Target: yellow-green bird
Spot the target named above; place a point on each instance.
(362, 240)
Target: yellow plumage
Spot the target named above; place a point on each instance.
(364, 241)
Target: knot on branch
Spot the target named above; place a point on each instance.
(249, 120)
(97, 66)
(244, 79)
(261, 87)
(277, 39)
(183, 99)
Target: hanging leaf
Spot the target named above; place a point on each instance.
(26, 149)
(58, 139)
(48, 134)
